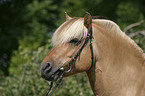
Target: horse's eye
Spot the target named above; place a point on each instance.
(75, 41)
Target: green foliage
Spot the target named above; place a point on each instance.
(128, 13)
(22, 81)
(35, 32)
(25, 56)
(36, 37)
(38, 16)
(72, 7)
(22, 22)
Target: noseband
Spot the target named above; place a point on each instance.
(89, 37)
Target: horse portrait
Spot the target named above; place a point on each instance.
(114, 63)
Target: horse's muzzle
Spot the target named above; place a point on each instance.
(48, 74)
(45, 70)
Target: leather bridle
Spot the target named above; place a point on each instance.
(88, 38)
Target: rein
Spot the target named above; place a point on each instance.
(89, 37)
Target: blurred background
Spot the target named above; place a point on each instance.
(26, 28)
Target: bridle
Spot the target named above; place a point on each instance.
(89, 37)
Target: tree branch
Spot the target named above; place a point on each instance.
(133, 25)
(136, 33)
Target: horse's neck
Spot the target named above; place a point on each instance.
(118, 71)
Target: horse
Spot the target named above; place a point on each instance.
(114, 63)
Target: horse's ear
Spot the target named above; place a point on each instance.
(87, 20)
(67, 16)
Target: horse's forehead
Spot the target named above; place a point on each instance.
(69, 30)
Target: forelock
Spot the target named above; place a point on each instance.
(70, 29)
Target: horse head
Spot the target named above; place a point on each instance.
(71, 52)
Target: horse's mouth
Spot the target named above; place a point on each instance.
(53, 77)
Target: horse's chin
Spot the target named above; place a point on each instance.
(54, 76)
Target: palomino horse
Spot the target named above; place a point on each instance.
(113, 62)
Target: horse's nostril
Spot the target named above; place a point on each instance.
(47, 67)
